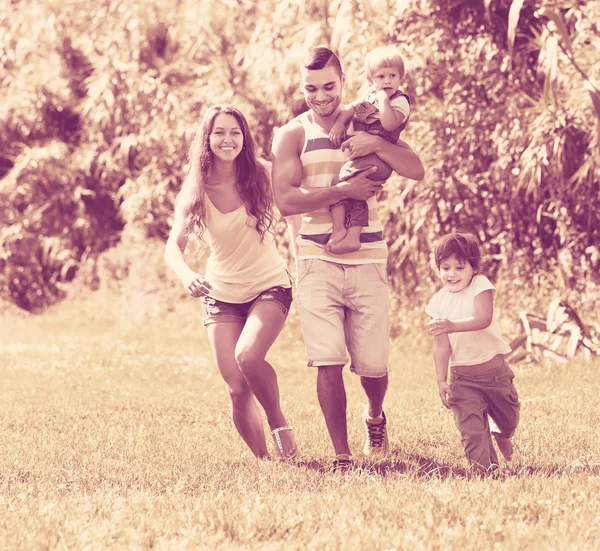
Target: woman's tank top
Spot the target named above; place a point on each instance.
(239, 266)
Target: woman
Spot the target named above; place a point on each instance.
(226, 200)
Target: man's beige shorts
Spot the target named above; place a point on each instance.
(345, 307)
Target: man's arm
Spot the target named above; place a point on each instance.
(290, 198)
(294, 222)
(403, 160)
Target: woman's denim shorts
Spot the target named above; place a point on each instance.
(218, 311)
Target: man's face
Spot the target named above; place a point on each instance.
(322, 89)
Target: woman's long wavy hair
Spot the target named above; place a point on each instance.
(252, 178)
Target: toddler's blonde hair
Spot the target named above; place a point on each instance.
(384, 56)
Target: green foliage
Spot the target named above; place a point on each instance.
(508, 160)
(102, 105)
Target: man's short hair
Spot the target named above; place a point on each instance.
(321, 57)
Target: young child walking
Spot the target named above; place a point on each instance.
(383, 111)
(466, 338)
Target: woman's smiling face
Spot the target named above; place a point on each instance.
(226, 138)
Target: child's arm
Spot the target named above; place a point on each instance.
(337, 133)
(441, 358)
(390, 118)
(481, 318)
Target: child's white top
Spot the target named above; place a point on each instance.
(468, 347)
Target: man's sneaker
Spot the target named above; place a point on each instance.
(377, 438)
(342, 463)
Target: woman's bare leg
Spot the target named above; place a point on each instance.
(262, 327)
(223, 337)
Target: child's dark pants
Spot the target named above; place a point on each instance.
(473, 398)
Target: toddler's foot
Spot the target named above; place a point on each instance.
(337, 235)
(505, 446)
(348, 244)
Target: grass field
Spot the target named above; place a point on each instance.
(115, 433)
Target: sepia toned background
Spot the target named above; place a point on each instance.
(115, 430)
(100, 101)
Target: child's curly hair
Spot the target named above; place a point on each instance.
(463, 245)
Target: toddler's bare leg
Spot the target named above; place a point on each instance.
(349, 243)
(357, 217)
(338, 217)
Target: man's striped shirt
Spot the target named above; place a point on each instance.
(321, 162)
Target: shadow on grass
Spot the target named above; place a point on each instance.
(573, 468)
(416, 465)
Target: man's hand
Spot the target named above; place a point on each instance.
(444, 390)
(361, 144)
(196, 285)
(359, 187)
(439, 326)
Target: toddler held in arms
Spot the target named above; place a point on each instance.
(383, 111)
(466, 338)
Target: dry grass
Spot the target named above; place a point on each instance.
(116, 434)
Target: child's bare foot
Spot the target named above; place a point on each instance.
(505, 446)
(348, 244)
(337, 235)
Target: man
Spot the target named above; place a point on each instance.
(343, 299)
